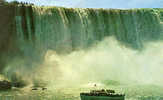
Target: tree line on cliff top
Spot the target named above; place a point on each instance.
(15, 2)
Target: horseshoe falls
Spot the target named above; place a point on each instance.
(70, 49)
(71, 28)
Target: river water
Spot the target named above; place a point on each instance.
(132, 92)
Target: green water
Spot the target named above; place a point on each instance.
(71, 28)
(132, 93)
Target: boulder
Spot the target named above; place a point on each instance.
(5, 85)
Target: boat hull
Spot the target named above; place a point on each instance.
(84, 97)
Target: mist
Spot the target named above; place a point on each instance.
(104, 61)
(83, 46)
(107, 60)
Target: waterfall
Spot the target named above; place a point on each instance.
(33, 30)
(74, 28)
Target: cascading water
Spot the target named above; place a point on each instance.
(63, 42)
(38, 29)
(54, 27)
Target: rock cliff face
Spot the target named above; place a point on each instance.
(7, 33)
(28, 31)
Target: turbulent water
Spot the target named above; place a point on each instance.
(67, 50)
